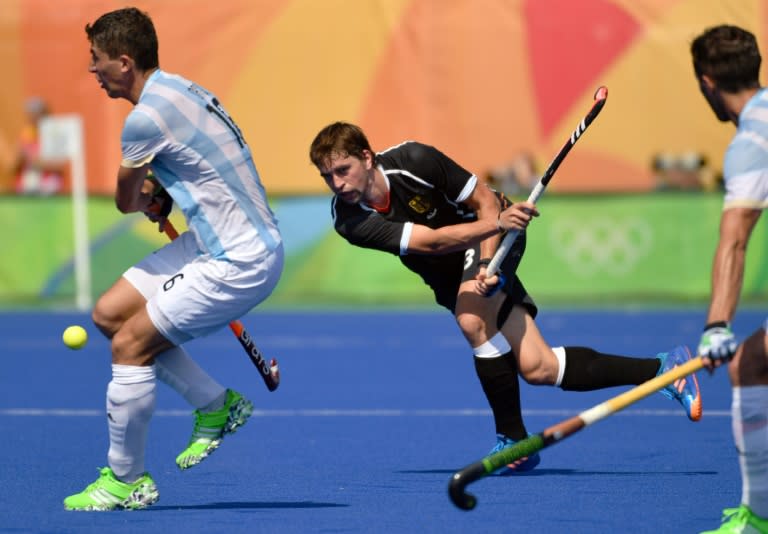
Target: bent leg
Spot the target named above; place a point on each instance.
(749, 409)
(120, 314)
(537, 362)
(115, 306)
(130, 404)
(495, 365)
(748, 371)
(749, 366)
(571, 368)
(499, 380)
(179, 371)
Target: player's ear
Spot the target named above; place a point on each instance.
(368, 159)
(706, 82)
(126, 63)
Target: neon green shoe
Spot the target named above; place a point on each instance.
(211, 427)
(109, 493)
(741, 520)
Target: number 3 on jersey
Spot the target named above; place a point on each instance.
(469, 258)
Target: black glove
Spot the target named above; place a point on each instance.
(161, 202)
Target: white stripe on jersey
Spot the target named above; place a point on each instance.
(405, 238)
(464, 195)
(395, 146)
(745, 169)
(471, 184)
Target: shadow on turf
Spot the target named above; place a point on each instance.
(544, 472)
(248, 506)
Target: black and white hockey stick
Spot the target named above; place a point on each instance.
(506, 244)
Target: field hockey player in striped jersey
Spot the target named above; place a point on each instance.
(228, 261)
(726, 61)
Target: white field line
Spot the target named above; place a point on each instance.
(59, 412)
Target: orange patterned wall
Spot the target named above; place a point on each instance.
(481, 79)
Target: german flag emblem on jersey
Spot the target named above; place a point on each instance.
(418, 205)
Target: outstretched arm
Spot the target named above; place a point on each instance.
(718, 343)
(425, 240)
(736, 226)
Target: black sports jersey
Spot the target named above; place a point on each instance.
(426, 187)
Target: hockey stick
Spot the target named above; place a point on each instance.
(600, 96)
(558, 432)
(269, 372)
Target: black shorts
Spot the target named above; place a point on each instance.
(513, 286)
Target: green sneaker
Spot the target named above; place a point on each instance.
(211, 427)
(741, 520)
(109, 493)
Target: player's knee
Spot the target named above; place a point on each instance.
(538, 369)
(472, 326)
(749, 365)
(105, 320)
(536, 376)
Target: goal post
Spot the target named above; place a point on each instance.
(61, 138)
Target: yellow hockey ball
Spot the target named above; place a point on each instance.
(75, 337)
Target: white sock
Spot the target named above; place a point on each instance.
(749, 410)
(495, 347)
(560, 355)
(177, 369)
(130, 403)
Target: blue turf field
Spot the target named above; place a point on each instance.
(374, 414)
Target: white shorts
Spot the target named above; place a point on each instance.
(191, 295)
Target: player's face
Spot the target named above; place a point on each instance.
(348, 177)
(109, 72)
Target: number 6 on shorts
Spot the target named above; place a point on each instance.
(270, 372)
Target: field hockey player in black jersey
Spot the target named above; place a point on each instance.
(445, 224)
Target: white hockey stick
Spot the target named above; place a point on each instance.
(600, 96)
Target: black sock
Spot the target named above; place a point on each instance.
(587, 369)
(499, 379)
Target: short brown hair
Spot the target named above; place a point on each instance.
(729, 55)
(126, 31)
(338, 139)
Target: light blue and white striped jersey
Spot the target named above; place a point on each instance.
(745, 170)
(199, 155)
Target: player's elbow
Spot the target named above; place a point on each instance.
(432, 242)
(124, 206)
(435, 248)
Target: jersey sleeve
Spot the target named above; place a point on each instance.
(745, 172)
(367, 229)
(429, 164)
(141, 139)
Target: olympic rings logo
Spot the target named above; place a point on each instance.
(611, 245)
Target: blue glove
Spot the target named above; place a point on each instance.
(717, 341)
